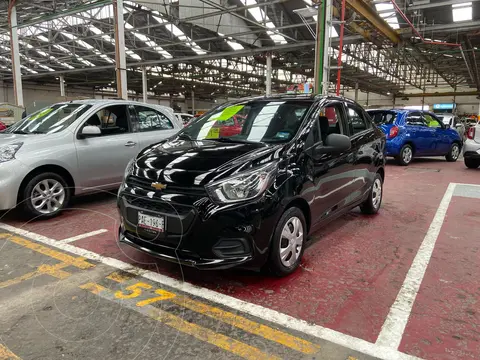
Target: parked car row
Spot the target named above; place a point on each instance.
(413, 133)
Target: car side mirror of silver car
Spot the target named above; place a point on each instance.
(334, 143)
(91, 131)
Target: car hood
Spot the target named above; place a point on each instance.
(196, 163)
(7, 138)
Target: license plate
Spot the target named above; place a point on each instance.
(156, 223)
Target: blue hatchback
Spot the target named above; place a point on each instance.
(413, 133)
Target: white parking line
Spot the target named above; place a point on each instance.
(83, 236)
(396, 321)
(287, 321)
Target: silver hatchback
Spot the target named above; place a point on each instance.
(75, 148)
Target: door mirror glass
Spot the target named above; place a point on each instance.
(335, 143)
(90, 131)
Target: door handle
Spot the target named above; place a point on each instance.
(130, 144)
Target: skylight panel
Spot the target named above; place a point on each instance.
(262, 18)
(66, 51)
(147, 40)
(180, 35)
(462, 12)
(389, 17)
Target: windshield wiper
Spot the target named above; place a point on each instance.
(184, 136)
(233, 140)
(21, 132)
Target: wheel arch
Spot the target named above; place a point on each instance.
(302, 204)
(57, 169)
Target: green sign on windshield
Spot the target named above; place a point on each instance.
(228, 112)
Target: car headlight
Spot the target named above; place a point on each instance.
(243, 186)
(7, 152)
(129, 169)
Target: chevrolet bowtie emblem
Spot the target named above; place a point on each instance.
(159, 186)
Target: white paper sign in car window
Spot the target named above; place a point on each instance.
(263, 120)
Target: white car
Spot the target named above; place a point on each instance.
(75, 148)
(184, 118)
(453, 122)
(471, 147)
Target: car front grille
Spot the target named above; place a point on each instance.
(146, 184)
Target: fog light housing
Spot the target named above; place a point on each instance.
(231, 247)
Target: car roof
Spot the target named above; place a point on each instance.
(113, 102)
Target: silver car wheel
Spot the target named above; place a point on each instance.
(48, 196)
(377, 193)
(291, 241)
(455, 151)
(407, 155)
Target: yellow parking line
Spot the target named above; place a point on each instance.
(94, 288)
(6, 354)
(252, 327)
(53, 270)
(79, 262)
(120, 276)
(209, 336)
(234, 346)
(240, 322)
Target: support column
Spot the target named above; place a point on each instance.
(320, 47)
(16, 72)
(193, 102)
(356, 92)
(120, 57)
(144, 84)
(268, 91)
(62, 86)
(326, 55)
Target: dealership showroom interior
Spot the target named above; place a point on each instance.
(240, 179)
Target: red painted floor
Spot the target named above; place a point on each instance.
(445, 320)
(351, 272)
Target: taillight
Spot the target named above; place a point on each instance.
(471, 133)
(393, 132)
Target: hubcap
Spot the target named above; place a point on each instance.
(455, 151)
(407, 155)
(377, 193)
(291, 241)
(48, 196)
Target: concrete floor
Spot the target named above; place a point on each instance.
(354, 275)
(57, 306)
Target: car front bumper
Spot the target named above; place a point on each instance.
(11, 176)
(199, 233)
(471, 149)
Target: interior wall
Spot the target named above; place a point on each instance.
(37, 97)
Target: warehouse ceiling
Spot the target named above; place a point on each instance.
(218, 48)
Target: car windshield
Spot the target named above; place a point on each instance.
(252, 121)
(49, 120)
(383, 117)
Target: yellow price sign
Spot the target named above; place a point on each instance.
(214, 133)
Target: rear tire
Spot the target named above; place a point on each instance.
(372, 204)
(472, 163)
(454, 153)
(288, 243)
(45, 195)
(406, 155)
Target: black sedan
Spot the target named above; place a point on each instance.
(250, 199)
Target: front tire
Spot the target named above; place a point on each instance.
(288, 243)
(454, 153)
(45, 195)
(372, 204)
(405, 156)
(472, 163)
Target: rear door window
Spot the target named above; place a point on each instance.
(415, 119)
(356, 119)
(383, 117)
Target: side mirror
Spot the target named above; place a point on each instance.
(90, 131)
(335, 143)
